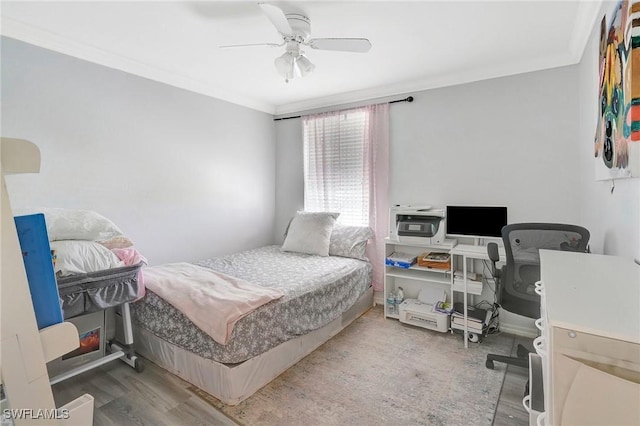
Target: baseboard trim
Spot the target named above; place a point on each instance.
(378, 298)
(519, 330)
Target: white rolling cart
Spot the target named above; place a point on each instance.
(466, 254)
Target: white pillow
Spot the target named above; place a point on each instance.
(70, 224)
(350, 241)
(310, 232)
(81, 257)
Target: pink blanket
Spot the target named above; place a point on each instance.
(131, 256)
(212, 300)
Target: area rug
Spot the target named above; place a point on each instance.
(381, 372)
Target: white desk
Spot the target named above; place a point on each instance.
(470, 252)
(590, 338)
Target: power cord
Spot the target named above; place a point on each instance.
(493, 326)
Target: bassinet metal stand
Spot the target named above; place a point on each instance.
(119, 350)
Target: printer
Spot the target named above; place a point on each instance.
(419, 224)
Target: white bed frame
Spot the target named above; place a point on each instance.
(233, 383)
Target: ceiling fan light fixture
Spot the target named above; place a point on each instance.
(284, 64)
(304, 66)
(295, 29)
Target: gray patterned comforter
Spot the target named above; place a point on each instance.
(316, 289)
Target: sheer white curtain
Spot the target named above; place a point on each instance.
(346, 170)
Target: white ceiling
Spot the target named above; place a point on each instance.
(416, 45)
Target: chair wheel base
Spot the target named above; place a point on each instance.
(489, 364)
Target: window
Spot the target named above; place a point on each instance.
(346, 170)
(337, 166)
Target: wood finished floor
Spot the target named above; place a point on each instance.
(156, 397)
(510, 411)
(125, 397)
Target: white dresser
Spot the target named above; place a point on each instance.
(589, 341)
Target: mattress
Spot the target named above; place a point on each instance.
(317, 290)
(85, 293)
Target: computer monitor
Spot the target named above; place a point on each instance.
(475, 221)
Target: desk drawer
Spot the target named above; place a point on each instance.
(593, 376)
(593, 396)
(596, 348)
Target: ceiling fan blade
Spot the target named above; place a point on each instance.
(277, 18)
(361, 45)
(250, 45)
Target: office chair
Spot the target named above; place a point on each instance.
(515, 282)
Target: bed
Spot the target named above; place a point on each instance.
(321, 296)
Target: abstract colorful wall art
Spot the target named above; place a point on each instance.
(617, 139)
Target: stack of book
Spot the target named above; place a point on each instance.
(477, 318)
(436, 260)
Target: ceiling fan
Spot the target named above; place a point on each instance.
(295, 29)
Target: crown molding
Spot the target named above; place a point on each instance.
(586, 19)
(29, 34)
(428, 83)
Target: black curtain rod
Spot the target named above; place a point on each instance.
(407, 99)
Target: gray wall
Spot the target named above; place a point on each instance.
(184, 175)
(289, 174)
(509, 141)
(506, 141)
